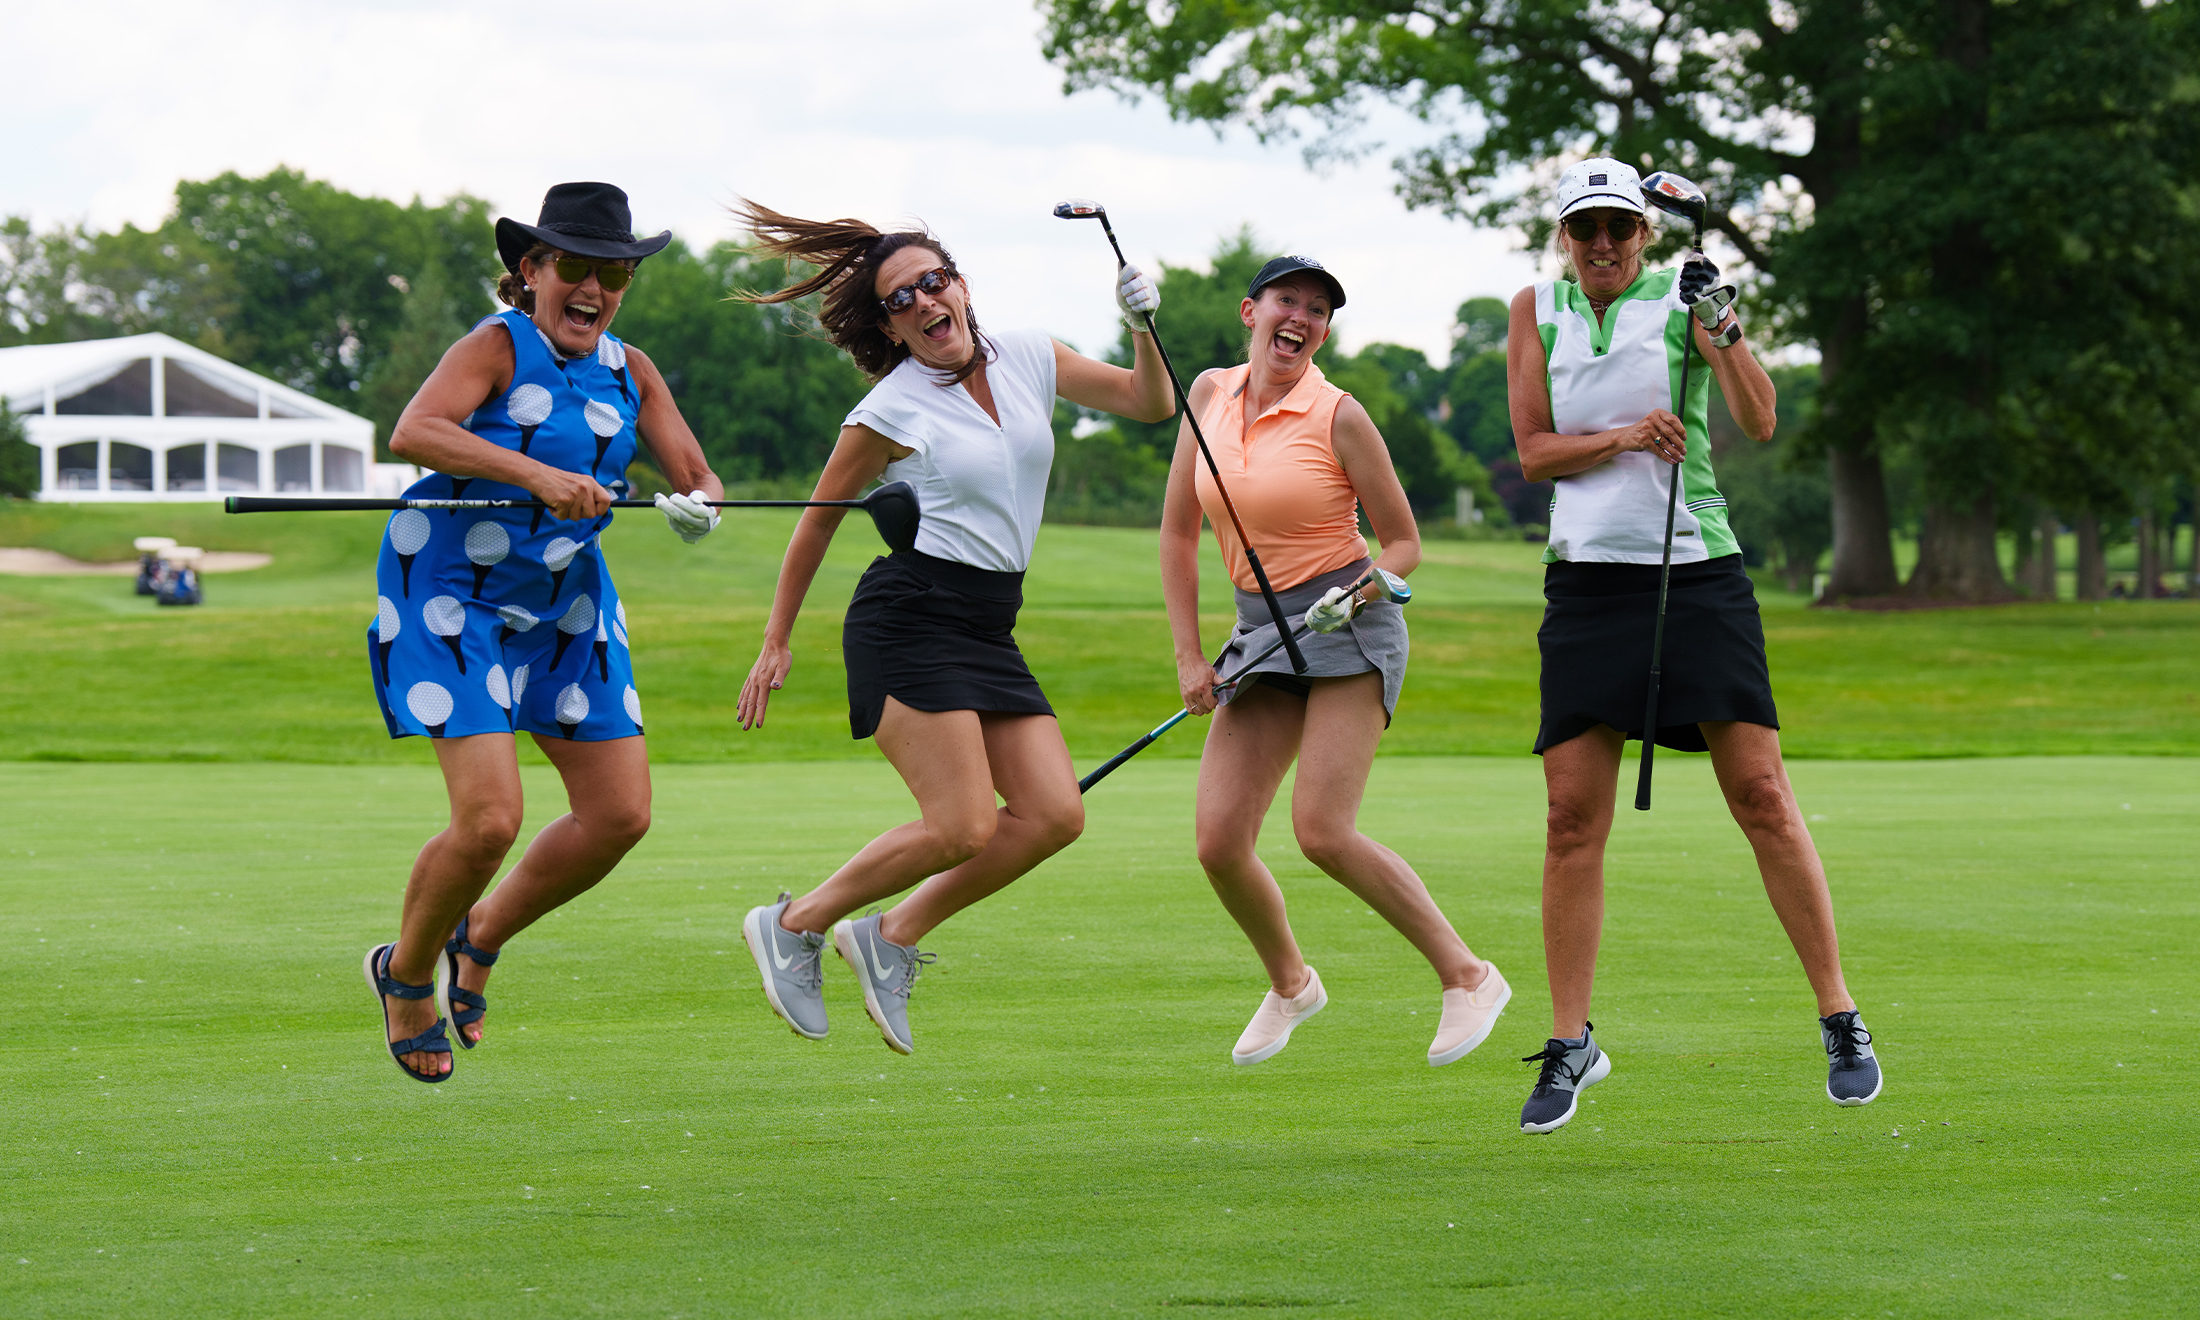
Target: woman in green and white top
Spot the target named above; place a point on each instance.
(1594, 370)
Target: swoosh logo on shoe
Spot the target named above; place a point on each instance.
(782, 963)
(884, 972)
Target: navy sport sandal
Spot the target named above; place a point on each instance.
(431, 1041)
(465, 1007)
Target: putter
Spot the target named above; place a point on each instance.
(893, 507)
(1671, 193)
(1395, 591)
(1078, 208)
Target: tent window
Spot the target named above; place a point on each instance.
(294, 468)
(126, 393)
(129, 467)
(239, 468)
(342, 469)
(76, 467)
(187, 467)
(277, 408)
(197, 392)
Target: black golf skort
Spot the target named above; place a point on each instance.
(1595, 640)
(935, 635)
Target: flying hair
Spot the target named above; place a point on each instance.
(847, 255)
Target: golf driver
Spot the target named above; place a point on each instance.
(1671, 193)
(1078, 208)
(1395, 591)
(893, 507)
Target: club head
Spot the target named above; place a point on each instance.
(1671, 193)
(893, 510)
(1394, 587)
(1080, 208)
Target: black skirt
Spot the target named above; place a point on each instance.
(1595, 641)
(935, 635)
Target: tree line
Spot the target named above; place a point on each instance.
(1981, 214)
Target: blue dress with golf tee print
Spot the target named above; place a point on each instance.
(506, 620)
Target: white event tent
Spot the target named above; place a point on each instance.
(148, 417)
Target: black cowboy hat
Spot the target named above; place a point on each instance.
(583, 219)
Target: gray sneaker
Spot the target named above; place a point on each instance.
(1568, 1065)
(793, 968)
(1852, 1070)
(885, 970)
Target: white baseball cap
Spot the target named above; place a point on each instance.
(1599, 181)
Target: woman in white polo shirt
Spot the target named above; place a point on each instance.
(934, 673)
(1593, 365)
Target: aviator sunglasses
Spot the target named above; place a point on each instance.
(1583, 228)
(934, 282)
(609, 274)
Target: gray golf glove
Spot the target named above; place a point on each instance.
(1701, 291)
(1337, 607)
(1136, 293)
(690, 517)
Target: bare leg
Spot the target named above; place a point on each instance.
(1747, 760)
(1043, 814)
(942, 758)
(1248, 750)
(481, 777)
(1343, 724)
(607, 813)
(1580, 778)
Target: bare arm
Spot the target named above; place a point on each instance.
(1142, 393)
(432, 432)
(1749, 392)
(664, 432)
(1180, 515)
(858, 459)
(1545, 454)
(1366, 461)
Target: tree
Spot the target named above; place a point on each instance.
(1897, 173)
(1200, 326)
(1779, 504)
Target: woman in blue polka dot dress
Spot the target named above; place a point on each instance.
(493, 622)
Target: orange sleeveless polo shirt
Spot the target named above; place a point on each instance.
(1298, 505)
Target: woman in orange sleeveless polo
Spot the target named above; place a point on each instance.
(1301, 458)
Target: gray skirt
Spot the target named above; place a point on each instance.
(1374, 641)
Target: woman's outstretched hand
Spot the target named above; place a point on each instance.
(1660, 433)
(1197, 678)
(766, 676)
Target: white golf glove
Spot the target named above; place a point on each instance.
(1136, 293)
(690, 517)
(1334, 610)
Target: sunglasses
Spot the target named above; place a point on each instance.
(1583, 228)
(933, 282)
(609, 274)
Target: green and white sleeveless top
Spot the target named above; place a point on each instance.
(1603, 377)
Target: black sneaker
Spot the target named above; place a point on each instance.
(1568, 1065)
(1852, 1072)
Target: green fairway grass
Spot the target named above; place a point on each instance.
(274, 666)
(201, 1120)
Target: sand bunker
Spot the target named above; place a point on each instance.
(50, 563)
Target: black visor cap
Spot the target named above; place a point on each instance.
(1282, 266)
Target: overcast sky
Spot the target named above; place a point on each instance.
(823, 107)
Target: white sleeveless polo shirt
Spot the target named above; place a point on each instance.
(1605, 377)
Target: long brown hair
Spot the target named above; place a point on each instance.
(847, 255)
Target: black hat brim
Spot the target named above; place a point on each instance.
(514, 238)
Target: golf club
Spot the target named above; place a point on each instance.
(1078, 208)
(893, 507)
(1395, 591)
(1671, 193)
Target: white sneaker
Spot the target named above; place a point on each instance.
(1271, 1027)
(1468, 1017)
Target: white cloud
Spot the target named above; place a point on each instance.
(833, 106)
